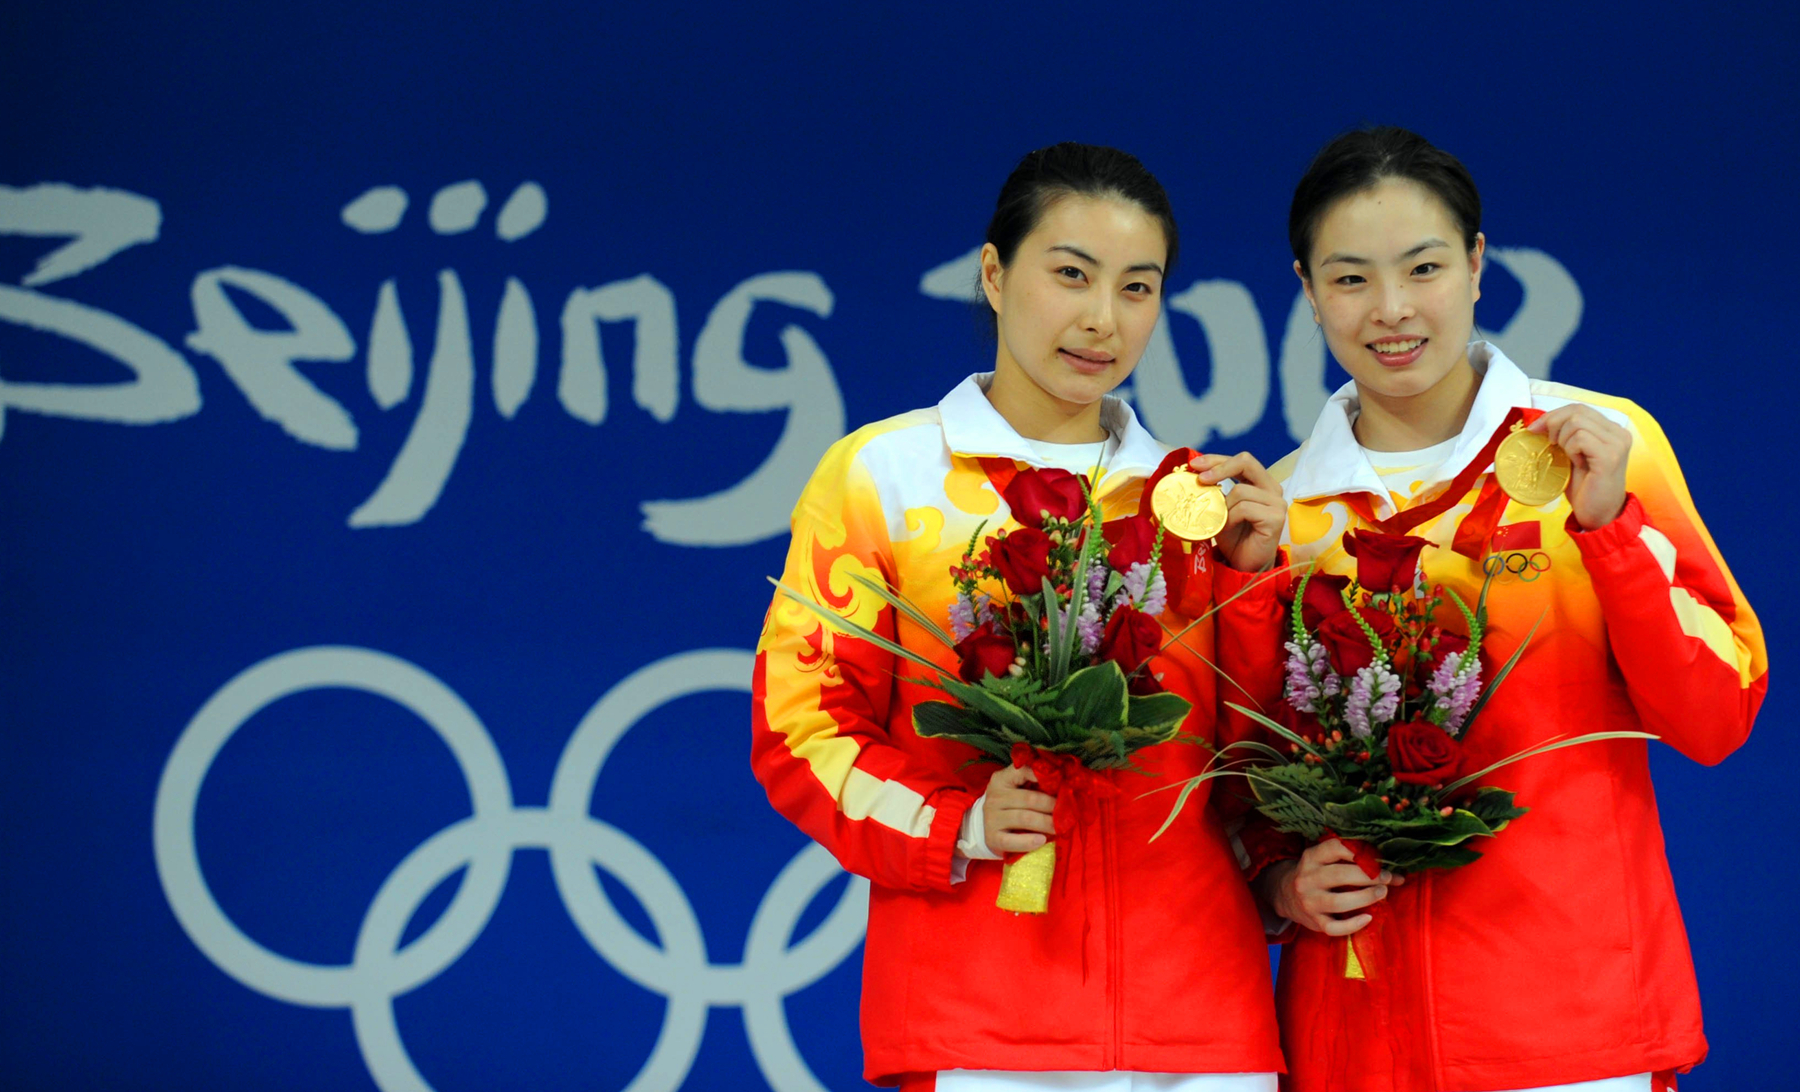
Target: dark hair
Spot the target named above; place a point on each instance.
(1358, 160)
(1063, 170)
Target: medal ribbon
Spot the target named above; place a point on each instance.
(1476, 528)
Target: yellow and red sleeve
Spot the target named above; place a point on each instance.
(1686, 642)
(822, 702)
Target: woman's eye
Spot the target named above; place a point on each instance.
(1139, 288)
(1425, 269)
(1070, 272)
(1349, 279)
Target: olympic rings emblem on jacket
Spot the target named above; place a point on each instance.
(1525, 566)
(381, 969)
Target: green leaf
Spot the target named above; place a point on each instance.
(942, 720)
(1429, 857)
(1495, 807)
(1544, 748)
(905, 606)
(1292, 816)
(1505, 670)
(937, 718)
(1156, 710)
(996, 708)
(1095, 697)
(1062, 634)
(1279, 729)
(1360, 813)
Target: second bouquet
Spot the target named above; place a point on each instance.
(1053, 629)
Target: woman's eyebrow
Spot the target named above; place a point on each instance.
(1077, 251)
(1139, 267)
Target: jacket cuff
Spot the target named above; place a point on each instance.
(932, 866)
(1264, 846)
(1622, 531)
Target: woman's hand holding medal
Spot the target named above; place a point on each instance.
(1255, 510)
(1597, 450)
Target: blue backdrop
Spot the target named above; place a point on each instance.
(402, 405)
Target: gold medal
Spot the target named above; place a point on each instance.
(1531, 469)
(1188, 508)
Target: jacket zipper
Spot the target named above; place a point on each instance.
(1114, 988)
(1431, 1024)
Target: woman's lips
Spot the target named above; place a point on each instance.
(1086, 363)
(1399, 352)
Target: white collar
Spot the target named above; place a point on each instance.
(1332, 463)
(974, 428)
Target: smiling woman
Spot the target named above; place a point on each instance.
(1073, 270)
(1558, 961)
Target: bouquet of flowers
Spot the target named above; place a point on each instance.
(1053, 627)
(1379, 697)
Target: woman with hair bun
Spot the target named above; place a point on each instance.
(1101, 992)
(1558, 961)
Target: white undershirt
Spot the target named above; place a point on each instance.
(1404, 473)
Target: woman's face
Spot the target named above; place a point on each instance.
(1076, 307)
(1393, 288)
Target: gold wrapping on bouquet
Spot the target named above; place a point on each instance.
(1353, 965)
(1025, 881)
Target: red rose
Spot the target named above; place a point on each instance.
(1346, 645)
(1023, 558)
(1384, 563)
(1421, 753)
(1036, 495)
(1131, 540)
(1131, 638)
(1324, 597)
(984, 652)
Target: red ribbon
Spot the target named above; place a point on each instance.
(1369, 1032)
(1078, 791)
(1476, 528)
(999, 471)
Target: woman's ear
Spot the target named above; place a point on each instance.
(991, 272)
(1306, 286)
(1477, 258)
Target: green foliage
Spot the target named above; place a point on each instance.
(1095, 696)
(1156, 711)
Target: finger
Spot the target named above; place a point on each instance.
(1345, 902)
(1005, 842)
(1023, 799)
(1250, 494)
(1241, 467)
(1342, 928)
(1333, 877)
(1265, 517)
(1010, 819)
(1010, 777)
(1544, 424)
(1326, 852)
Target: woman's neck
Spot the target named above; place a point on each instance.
(1036, 414)
(1417, 421)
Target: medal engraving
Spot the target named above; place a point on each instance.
(1188, 508)
(1531, 469)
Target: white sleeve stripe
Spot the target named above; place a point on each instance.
(889, 803)
(1702, 623)
(1661, 549)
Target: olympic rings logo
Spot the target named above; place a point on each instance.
(1526, 566)
(381, 969)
